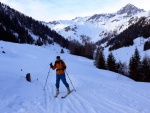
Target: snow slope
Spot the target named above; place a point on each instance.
(98, 91)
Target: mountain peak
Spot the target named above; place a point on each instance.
(129, 9)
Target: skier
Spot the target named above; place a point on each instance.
(60, 67)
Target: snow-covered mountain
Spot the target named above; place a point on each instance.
(97, 91)
(99, 26)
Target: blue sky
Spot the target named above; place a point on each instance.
(49, 10)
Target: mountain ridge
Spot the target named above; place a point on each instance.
(100, 26)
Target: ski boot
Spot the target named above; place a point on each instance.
(68, 90)
(57, 90)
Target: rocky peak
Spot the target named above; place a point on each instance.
(129, 9)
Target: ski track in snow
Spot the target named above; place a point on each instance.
(97, 91)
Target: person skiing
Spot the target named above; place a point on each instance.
(60, 67)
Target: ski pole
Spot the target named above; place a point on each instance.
(46, 79)
(70, 80)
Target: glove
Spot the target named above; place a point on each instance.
(51, 65)
(64, 67)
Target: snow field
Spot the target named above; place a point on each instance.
(98, 91)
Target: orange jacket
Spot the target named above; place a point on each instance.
(60, 66)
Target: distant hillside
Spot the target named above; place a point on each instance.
(19, 28)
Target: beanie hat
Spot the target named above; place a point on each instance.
(58, 57)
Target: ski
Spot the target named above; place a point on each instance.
(66, 94)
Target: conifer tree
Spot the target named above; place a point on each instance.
(135, 65)
(111, 62)
(132, 68)
(145, 70)
(96, 57)
(62, 51)
(120, 67)
(101, 61)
